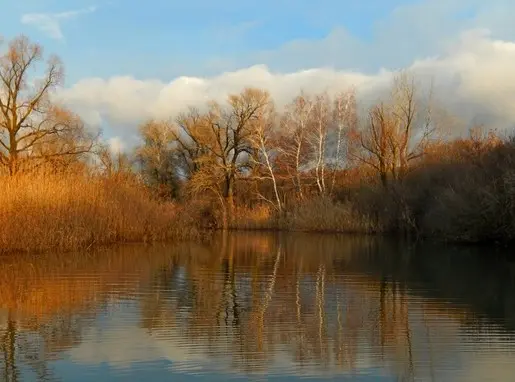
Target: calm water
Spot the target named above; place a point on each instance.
(260, 307)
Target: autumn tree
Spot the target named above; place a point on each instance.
(32, 126)
(192, 139)
(157, 157)
(264, 141)
(321, 115)
(113, 163)
(345, 123)
(295, 150)
(225, 136)
(397, 131)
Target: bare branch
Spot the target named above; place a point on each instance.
(33, 127)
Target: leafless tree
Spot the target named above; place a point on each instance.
(345, 120)
(224, 135)
(190, 134)
(296, 123)
(29, 120)
(318, 137)
(398, 130)
(113, 163)
(157, 157)
(265, 147)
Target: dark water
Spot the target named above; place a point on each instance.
(260, 307)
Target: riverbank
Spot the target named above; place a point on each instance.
(462, 192)
(467, 196)
(66, 212)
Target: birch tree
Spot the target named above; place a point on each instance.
(345, 120)
(265, 147)
(318, 137)
(295, 124)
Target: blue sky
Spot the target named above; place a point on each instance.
(126, 59)
(168, 38)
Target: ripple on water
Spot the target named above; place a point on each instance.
(259, 307)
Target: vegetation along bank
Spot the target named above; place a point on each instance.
(323, 162)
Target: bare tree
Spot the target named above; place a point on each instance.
(344, 115)
(296, 123)
(265, 150)
(113, 163)
(318, 137)
(398, 130)
(214, 148)
(224, 135)
(190, 133)
(374, 139)
(238, 123)
(28, 117)
(157, 157)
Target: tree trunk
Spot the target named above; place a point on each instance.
(13, 154)
(297, 171)
(384, 178)
(229, 200)
(337, 159)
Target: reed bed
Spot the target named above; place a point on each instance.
(66, 212)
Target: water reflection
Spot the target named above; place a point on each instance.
(260, 306)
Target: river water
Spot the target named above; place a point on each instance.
(255, 306)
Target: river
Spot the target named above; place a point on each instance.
(259, 306)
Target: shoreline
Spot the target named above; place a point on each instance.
(206, 235)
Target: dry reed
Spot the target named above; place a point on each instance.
(318, 214)
(65, 212)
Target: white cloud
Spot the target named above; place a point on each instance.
(473, 77)
(50, 23)
(116, 145)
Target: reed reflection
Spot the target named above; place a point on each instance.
(256, 304)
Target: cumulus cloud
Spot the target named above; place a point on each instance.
(50, 23)
(473, 78)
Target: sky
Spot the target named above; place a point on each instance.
(127, 61)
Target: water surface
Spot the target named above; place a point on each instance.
(260, 307)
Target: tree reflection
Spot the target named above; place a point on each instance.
(8, 349)
(254, 302)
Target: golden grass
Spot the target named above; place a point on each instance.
(324, 215)
(66, 212)
(317, 214)
(261, 217)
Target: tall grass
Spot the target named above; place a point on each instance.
(322, 214)
(318, 214)
(65, 212)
